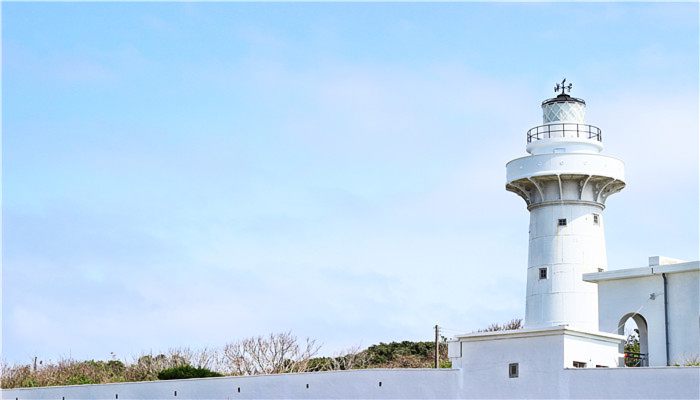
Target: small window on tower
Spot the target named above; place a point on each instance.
(543, 273)
(562, 222)
(579, 364)
(596, 219)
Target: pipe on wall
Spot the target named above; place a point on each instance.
(668, 355)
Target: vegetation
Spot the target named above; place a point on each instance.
(186, 372)
(692, 362)
(689, 361)
(508, 326)
(632, 350)
(271, 354)
(64, 372)
(385, 355)
(405, 354)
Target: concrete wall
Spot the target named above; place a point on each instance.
(357, 384)
(593, 351)
(585, 383)
(485, 367)
(631, 383)
(684, 316)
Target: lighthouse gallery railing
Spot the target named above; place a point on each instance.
(565, 130)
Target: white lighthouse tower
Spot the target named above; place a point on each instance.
(565, 182)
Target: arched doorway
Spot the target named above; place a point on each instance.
(636, 348)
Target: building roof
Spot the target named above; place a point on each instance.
(562, 98)
(538, 331)
(642, 272)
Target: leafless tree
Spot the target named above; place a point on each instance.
(146, 366)
(200, 358)
(350, 358)
(513, 324)
(209, 358)
(272, 354)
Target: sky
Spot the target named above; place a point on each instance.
(189, 174)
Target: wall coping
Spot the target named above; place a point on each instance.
(630, 273)
(534, 332)
(680, 367)
(235, 377)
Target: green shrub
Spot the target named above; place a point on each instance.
(320, 364)
(79, 380)
(186, 372)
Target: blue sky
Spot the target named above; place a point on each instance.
(186, 174)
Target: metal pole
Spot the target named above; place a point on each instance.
(437, 346)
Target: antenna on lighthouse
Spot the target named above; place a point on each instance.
(562, 86)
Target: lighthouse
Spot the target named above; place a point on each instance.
(565, 182)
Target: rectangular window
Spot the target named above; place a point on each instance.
(562, 222)
(513, 370)
(579, 364)
(543, 273)
(596, 219)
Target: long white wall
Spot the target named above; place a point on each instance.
(355, 384)
(631, 383)
(586, 383)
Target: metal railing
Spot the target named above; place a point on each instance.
(636, 359)
(565, 130)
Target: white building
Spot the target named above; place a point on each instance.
(662, 299)
(576, 310)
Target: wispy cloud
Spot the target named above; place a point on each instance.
(207, 172)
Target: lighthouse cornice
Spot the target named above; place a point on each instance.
(566, 202)
(565, 164)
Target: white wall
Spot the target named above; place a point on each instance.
(631, 383)
(684, 316)
(592, 351)
(485, 367)
(357, 384)
(591, 383)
